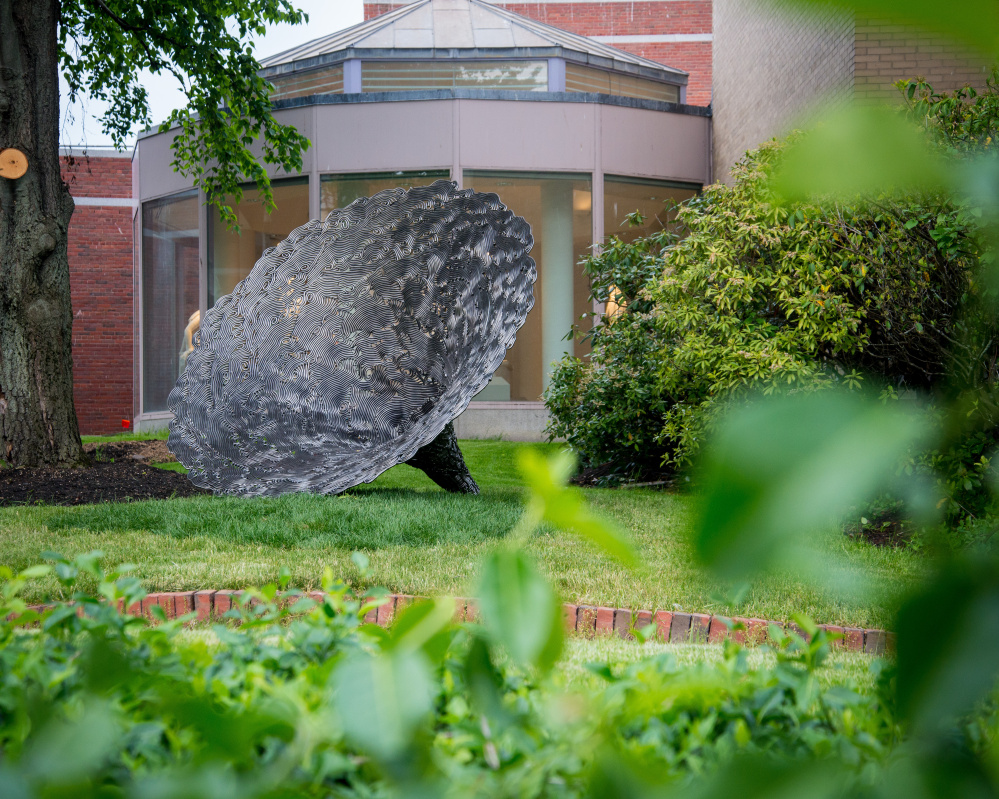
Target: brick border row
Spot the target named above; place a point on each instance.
(586, 620)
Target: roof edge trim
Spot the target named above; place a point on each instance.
(663, 75)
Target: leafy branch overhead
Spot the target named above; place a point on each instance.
(104, 45)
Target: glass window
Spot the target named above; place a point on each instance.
(623, 196)
(232, 255)
(327, 80)
(339, 191)
(559, 210)
(403, 76)
(170, 267)
(579, 78)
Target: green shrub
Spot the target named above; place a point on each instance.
(102, 704)
(760, 297)
(302, 699)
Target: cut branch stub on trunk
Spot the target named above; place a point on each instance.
(37, 419)
(13, 163)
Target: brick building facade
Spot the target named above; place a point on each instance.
(760, 71)
(672, 32)
(772, 68)
(884, 53)
(101, 275)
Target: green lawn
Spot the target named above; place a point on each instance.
(421, 540)
(841, 667)
(854, 669)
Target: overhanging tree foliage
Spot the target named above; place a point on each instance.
(101, 47)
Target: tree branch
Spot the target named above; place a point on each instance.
(155, 62)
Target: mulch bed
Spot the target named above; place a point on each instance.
(608, 476)
(883, 530)
(121, 471)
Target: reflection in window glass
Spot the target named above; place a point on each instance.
(339, 191)
(326, 80)
(399, 76)
(586, 79)
(623, 196)
(232, 255)
(559, 210)
(170, 316)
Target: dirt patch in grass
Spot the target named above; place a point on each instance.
(120, 471)
(609, 475)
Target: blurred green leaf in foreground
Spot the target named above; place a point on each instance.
(784, 470)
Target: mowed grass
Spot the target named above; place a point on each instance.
(422, 540)
(855, 669)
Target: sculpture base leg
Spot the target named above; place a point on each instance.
(441, 460)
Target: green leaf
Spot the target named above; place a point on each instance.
(551, 501)
(519, 609)
(66, 752)
(781, 469)
(362, 562)
(974, 22)
(484, 681)
(948, 642)
(859, 150)
(381, 700)
(762, 777)
(35, 571)
(423, 627)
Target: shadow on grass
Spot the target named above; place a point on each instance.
(364, 518)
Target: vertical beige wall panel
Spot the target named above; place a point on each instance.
(655, 145)
(526, 136)
(772, 67)
(375, 137)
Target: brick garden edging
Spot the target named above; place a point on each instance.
(586, 620)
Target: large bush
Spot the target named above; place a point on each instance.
(762, 296)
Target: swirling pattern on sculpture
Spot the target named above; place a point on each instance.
(353, 343)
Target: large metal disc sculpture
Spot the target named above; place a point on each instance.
(352, 345)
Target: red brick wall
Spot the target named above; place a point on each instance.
(100, 274)
(640, 18)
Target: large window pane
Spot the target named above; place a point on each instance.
(623, 196)
(579, 78)
(232, 255)
(397, 76)
(339, 191)
(558, 209)
(169, 293)
(325, 80)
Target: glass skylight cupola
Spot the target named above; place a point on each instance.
(466, 46)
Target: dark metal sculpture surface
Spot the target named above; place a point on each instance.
(352, 345)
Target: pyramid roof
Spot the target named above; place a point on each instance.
(466, 29)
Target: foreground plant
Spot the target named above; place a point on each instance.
(298, 698)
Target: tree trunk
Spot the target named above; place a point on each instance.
(37, 419)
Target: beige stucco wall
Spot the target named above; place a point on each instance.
(772, 66)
